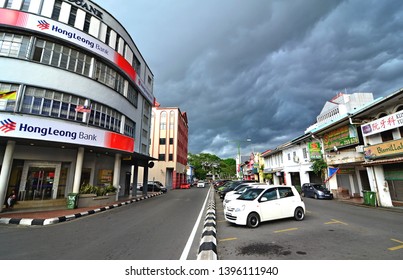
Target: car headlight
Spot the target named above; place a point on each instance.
(239, 209)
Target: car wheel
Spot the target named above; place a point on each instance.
(253, 220)
(303, 194)
(299, 214)
(316, 196)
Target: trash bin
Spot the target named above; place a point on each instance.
(366, 197)
(72, 200)
(372, 199)
(369, 198)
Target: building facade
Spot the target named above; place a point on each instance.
(169, 144)
(75, 99)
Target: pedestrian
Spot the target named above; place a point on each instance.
(11, 199)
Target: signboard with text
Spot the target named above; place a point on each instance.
(36, 128)
(390, 148)
(341, 137)
(388, 122)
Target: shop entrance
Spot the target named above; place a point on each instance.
(39, 181)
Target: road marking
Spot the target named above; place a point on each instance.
(336, 222)
(284, 230)
(186, 250)
(396, 247)
(228, 239)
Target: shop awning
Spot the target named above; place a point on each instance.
(383, 161)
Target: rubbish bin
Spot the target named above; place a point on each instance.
(366, 197)
(369, 198)
(372, 199)
(72, 200)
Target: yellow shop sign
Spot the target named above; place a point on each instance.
(384, 149)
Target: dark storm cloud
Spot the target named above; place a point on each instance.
(263, 69)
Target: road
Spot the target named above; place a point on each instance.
(156, 228)
(331, 230)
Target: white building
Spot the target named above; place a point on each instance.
(75, 99)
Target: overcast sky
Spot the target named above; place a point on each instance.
(262, 69)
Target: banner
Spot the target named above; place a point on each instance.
(37, 128)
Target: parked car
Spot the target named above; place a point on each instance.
(265, 203)
(153, 187)
(231, 186)
(201, 184)
(316, 190)
(240, 189)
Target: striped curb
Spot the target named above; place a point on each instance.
(208, 243)
(56, 220)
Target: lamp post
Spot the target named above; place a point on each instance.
(238, 142)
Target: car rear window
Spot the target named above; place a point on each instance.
(285, 192)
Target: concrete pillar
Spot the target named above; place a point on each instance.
(116, 174)
(145, 180)
(135, 174)
(78, 171)
(6, 170)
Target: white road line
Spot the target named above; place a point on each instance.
(186, 250)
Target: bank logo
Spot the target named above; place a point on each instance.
(7, 125)
(43, 25)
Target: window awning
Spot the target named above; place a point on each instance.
(383, 161)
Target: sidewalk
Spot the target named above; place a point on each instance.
(54, 215)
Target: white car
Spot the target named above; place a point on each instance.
(231, 195)
(201, 184)
(265, 203)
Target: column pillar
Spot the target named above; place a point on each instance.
(78, 171)
(145, 179)
(116, 174)
(6, 170)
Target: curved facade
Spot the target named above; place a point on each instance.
(75, 99)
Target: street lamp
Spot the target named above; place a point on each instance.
(238, 142)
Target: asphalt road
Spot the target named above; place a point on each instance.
(153, 229)
(331, 230)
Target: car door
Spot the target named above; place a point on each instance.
(287, 201)
(269, 205)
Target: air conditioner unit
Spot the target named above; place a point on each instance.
(296, 159)
(359, 149)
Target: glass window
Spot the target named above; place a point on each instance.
(8, 97)
(163, 141)
(56, 10)
(73, 15)
(285, 192)
(270, 194)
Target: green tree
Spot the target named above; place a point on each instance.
(202, 164)
(319, 167)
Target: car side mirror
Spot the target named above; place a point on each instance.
(263, 199)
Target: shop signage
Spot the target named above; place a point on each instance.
(36, 128)
(388, 122)
(315, 151)
(341, 137)
(389, 148)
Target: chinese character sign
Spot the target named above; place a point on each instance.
(388, 122)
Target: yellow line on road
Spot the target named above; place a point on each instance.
(396, 247)
(228, 239)
(284, 230)
(335, 222)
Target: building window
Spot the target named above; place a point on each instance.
(163, 121)
(73, 15)
(171, 141)
(8, 97)
(161, 157)
(132, 96)
(304, 153)
(56, 10)
(87, 23)
(130, 128)
(13, 45)
(170, 157)
(289, 156)
(25, 5)
(387, 135)
(163, 141)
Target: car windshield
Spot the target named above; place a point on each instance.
(319, 187)
(250, 194)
